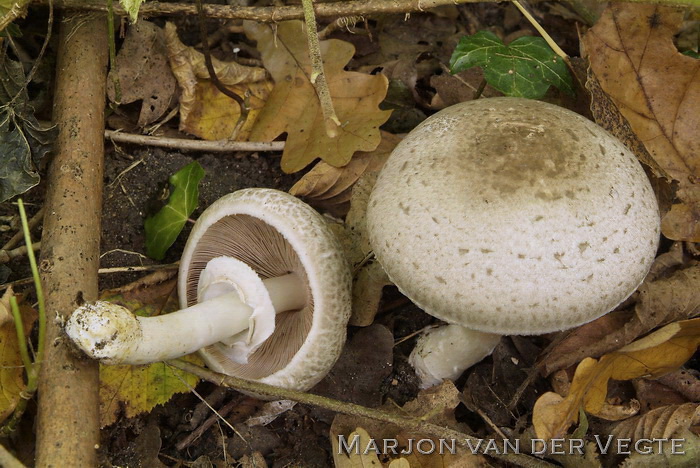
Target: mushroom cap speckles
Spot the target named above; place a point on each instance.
(513, 216)
(267, 224)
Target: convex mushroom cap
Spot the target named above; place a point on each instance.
(264, 290)
(513, 216)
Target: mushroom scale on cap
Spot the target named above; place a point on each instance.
(513, 216)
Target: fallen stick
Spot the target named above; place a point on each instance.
(68, 413)
(192, 145)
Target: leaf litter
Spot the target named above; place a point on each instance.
(666, 298)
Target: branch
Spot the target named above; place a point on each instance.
(270, 14)
(409, 423)
(192, 145)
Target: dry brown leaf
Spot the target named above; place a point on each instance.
(659, 302)
(204, 110)
(294, 108)
(5, 311)
(661, 423)
(654, 355)
(657, 90)
(324, 183)
(143, 72)
(684, 381)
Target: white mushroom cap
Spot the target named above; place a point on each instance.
(445, 352)
(513, 216)
(276, 234)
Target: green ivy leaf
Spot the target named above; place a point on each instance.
(526, 67)
(163, 228)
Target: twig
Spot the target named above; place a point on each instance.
(193, 145)
(408, 423)
(7, 460)
(17, 10)
(555, 47)
(7, 255)
(34, 222)
(318, 76)
(273, 14)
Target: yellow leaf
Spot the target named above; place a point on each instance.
(204, 110)
(137, 389)
(11, 367)
(652, 356)
(293, 106)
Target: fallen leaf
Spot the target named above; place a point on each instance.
(685, 456)
(684, 381)
(324, 183)
(293, 106)
(351, 458)
(657, 90)
(163, 228)
(11, 367)
(143, 72)
(526, 67)
(659, 301)
(204, 110)
(132, 390)
(660, 423)
(23, 141)
(653, 394)
(652, 356)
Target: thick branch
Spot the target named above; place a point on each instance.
(273, 14)
(270, 14)
(68, 418)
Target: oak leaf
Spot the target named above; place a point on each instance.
(326, 187)
(652, 356)
(657, 90)
(293, 106)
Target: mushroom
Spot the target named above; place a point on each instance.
(264, 293)
(510, 216)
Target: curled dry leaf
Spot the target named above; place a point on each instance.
(664, 300)
(143, 73)
(204, 110)
(652, 356)
(657, 90)
(293, 106)
(324, 185)
(661, 423)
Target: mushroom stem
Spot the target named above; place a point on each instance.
(114, 335)
(447, 351)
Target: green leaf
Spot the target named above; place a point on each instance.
(163, 228)
(527, 67)
(23, 142)
(132, 7)
(692, 53)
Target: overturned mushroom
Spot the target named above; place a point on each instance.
(264, 290)
(510, 216)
